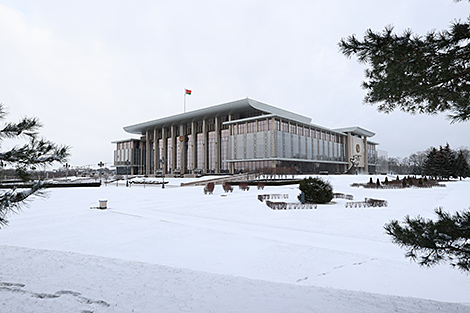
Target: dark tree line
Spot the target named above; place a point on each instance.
(440, 163)
(444, 163)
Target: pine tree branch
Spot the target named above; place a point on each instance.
(11, 200)
(428, 74)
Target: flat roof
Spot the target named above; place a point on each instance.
(237, 106)
(356, 130)
(125, 140)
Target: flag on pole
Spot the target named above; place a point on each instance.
(188, 92)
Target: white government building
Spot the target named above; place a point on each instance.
(242, 136)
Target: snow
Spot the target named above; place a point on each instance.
(178, 250)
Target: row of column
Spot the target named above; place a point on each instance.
(161, 153)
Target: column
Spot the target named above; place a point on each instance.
(194, 144)
(182, 142)
(164, 150)
(229, 148)
(173, 148)
(217, 144)
(147, 152)
(366, 156)
(273, 138)
(204, 145)
(156, 151)
(348, 148)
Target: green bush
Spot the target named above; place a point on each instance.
(315, 190)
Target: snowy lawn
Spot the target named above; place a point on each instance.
(178, 250)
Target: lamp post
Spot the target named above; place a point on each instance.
(163, 172)
(101, 164)
(67, 166)
(127, 173)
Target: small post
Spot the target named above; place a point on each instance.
(103, 204)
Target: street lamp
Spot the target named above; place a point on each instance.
(127, 172)
(67, 166)
(163, 172)
(101, 164)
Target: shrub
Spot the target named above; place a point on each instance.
(315, 190)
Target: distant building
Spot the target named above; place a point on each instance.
(242, 136)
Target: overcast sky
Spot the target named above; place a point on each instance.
(88, 68)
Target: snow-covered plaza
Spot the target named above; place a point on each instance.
(179, 250)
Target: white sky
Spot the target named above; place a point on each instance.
(88, 68)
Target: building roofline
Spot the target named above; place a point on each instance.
(356, 130)
(125, 140)
(214, 111)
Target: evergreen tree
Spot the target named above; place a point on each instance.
(461, 167)
(447, 161)
(431, 242)
(430, 164)
(417, 74)
(440, 163)
(34, 153)
(315, 190)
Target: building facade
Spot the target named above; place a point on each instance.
(242, 136)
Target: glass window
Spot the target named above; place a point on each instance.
(284, 127)
(293, 129)
(199, 127)
(262, 125)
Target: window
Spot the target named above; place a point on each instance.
(199, 127)
(284, 127)
(293, 129)
(262, 125)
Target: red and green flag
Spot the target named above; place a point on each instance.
(188, 92)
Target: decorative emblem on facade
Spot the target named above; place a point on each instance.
(358, 148)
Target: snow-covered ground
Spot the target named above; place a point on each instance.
(178, 250)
